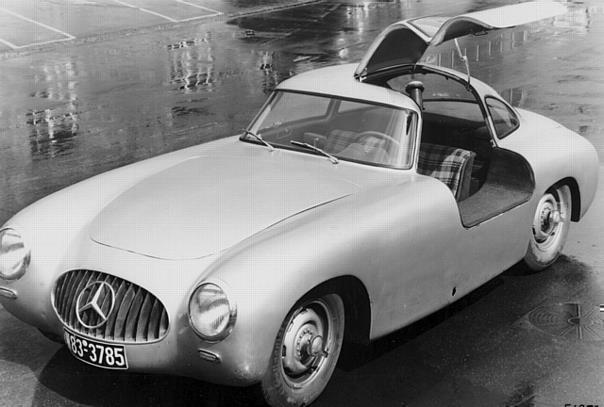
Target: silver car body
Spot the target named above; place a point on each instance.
(269, 226)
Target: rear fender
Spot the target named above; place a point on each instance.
(556, 153)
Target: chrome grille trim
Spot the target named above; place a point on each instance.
(137, 316)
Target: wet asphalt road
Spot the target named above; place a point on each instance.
(124, 89)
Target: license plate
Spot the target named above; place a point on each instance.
(96, 353)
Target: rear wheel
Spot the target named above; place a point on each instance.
(550, 227)
(305, 352)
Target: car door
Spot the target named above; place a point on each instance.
(405, 42)
(490, 244)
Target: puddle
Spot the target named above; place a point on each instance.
(51, 133)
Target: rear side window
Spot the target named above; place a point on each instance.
(504, 118)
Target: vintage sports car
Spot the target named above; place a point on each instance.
(360, 199)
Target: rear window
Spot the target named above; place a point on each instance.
(504, 119)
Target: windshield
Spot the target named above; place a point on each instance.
(349, 130)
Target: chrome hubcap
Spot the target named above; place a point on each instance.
(304, 347)
(547, 219)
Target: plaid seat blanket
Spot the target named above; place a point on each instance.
(444, 163)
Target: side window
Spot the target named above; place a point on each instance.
(504, 119)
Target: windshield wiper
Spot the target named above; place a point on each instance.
(333, 159)
(259, 138)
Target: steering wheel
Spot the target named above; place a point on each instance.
(384, 136)
(318, 140)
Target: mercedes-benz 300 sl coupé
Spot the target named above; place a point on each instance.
(360, 199)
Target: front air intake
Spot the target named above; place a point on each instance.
(109, 308)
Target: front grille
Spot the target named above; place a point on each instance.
(136, 317)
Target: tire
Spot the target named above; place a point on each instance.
(549, 229)
(306, 352)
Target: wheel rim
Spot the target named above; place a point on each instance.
(549, 220)
(307, 343)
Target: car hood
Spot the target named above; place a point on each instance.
(206, 204)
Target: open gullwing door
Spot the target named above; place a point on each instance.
(405, 42)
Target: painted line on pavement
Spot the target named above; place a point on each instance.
(213, 12)
(8, 43)
(123, 3)
(68, 36)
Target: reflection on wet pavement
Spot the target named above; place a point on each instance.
(83, 101)
(192, 65)
(52, 133)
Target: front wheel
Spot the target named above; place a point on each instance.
(550, 227)
(305, 352)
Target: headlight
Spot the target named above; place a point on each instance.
(14, 255)
(211, 314)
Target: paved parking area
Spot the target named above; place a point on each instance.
(28, 23)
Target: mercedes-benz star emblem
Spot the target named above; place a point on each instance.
(87, 305)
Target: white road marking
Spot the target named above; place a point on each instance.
(123, 3)
(211, 10)
(198, 17)
(8, 43)
(31, 44)
(173, 20)
(68, 36)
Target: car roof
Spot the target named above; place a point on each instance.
(339, 81)
(482, 88)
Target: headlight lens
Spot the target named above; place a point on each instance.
(14, 255)
(211, 314)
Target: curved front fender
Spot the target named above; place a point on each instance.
(378, 235)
